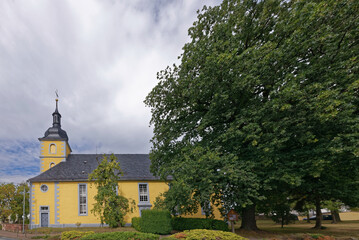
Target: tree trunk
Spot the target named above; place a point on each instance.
(308, 220)
(249, 218)
(318, 220)
(335, 216)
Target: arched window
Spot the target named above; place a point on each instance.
(52, 164)
(52, 149)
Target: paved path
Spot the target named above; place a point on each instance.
(5, 235)
(5, 238)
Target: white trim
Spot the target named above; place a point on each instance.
(139, 194)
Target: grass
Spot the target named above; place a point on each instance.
(269, 229)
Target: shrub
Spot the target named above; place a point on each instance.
(206, 234)
(318, 237)
(121, 236)
(136, 223)
(69, 235)
(155, 221)
(182, 224)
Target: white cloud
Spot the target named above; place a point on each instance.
(102, 56)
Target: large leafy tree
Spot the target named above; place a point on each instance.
(315, 129)
(109, 205)
(265, 99)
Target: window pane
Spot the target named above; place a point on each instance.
(82, 199)
(143, 192)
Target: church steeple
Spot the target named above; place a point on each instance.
(56, 116)
(55, 132)
(54, 146)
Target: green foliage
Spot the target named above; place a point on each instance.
(199, 234)
(12, 200)
(155, 221)
(111, 207)
(219, 225)
(70, 235)
(181, 224)
(121, 236)
(136, 223)
(265, 101)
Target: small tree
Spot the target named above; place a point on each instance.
(6, 198)
(110, 206)
(17, 203)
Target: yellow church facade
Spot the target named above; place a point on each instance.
(61, 195)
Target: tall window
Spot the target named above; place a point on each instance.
(143, 192)
(82, 199)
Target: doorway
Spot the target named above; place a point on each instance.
(44, 216)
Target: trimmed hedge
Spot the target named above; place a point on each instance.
(69, 235)
(181, 224)
(136, 223)
(205, 234)
(121, 236)
(155, 221)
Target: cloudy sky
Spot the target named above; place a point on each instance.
(102, 56)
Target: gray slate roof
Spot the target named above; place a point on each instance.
(78, 166)
(55, 133)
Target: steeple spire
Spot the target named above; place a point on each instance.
(56, 117)
(55, 132)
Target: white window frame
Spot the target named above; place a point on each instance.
(86, 198)
(146, 194)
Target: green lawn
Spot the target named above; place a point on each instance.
(269, 229)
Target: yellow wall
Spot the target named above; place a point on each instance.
(69, 205)
(68, 201)
(43, 199)
(346, 216)
(46, 157)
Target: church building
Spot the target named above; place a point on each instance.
(62, 196)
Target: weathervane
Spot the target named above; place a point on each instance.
(57, 95)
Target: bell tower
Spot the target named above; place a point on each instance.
(54, 146)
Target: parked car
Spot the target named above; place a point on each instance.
(324, 217)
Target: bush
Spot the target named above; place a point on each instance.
(318, 237)
(136, 223)
(182, 224)
(206, 234)
(155, 221)
(69, 235)
(121, 236)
